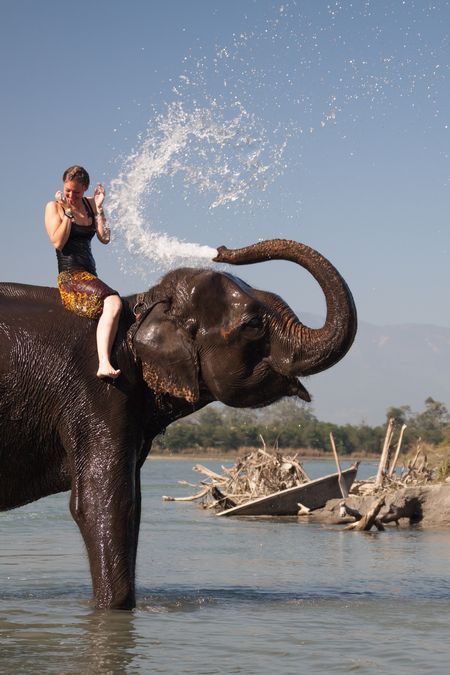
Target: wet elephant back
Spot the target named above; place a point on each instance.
(40, 343)
(38, 309)
(28, 293)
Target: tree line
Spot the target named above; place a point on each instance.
(290, 425)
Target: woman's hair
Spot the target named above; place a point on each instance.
(77, 173)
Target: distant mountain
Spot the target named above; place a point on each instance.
(387, 365)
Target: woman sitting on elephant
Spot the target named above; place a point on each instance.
(71, 221)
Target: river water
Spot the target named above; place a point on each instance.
(223, 595)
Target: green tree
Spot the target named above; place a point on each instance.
(400, 414)
(430, 424)
(291, 425)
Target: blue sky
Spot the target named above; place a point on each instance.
(346, 102)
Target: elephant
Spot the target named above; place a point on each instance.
(197, 336)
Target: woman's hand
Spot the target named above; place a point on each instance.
(62, 201)
(99, 196)
(57, 220)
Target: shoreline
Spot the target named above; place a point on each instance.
(302, 453)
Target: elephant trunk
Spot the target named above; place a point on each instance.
(297, 349)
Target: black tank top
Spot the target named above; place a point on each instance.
(76, 253)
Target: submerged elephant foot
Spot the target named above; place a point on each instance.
(106, 370)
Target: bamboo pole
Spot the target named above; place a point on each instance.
(341, 481)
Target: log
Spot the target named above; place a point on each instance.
(303, 510)
(208, 472)
(384, 454)
(341, 481)
(412, 464)
(198, 495)
(367, 521)
(349, 511)
(224, 500)
(397, 452)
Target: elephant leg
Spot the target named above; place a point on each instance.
(137, 511)
(105, 504)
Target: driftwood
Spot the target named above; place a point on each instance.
(199, 468)
(397, 452)
(385, 453)
(416, 472)
(427, 504)
(370, 519)
(386, 468)
(256, 474)
(261, 473)
(389, 482)
(303, 510)
(191, 498)
(341, 481)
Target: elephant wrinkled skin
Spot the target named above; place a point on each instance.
(200, 336)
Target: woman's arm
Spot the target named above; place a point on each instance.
(102, 228)
(57, 224)
(103, 233)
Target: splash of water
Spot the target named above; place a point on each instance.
(224, 156)
(238, 115)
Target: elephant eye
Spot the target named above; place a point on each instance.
(253, 328)
(255, 322)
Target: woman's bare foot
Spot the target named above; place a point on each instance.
(106, 370)
(106, 332)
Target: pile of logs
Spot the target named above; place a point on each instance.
(384, 509)
(255, 474)
(389, 480)
(260, 473)
(414, 473)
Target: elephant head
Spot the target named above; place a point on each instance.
(207, 335)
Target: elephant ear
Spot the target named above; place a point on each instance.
(168, 355)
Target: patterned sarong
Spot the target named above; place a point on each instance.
(83, 293)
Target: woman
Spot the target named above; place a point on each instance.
(71, 221)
